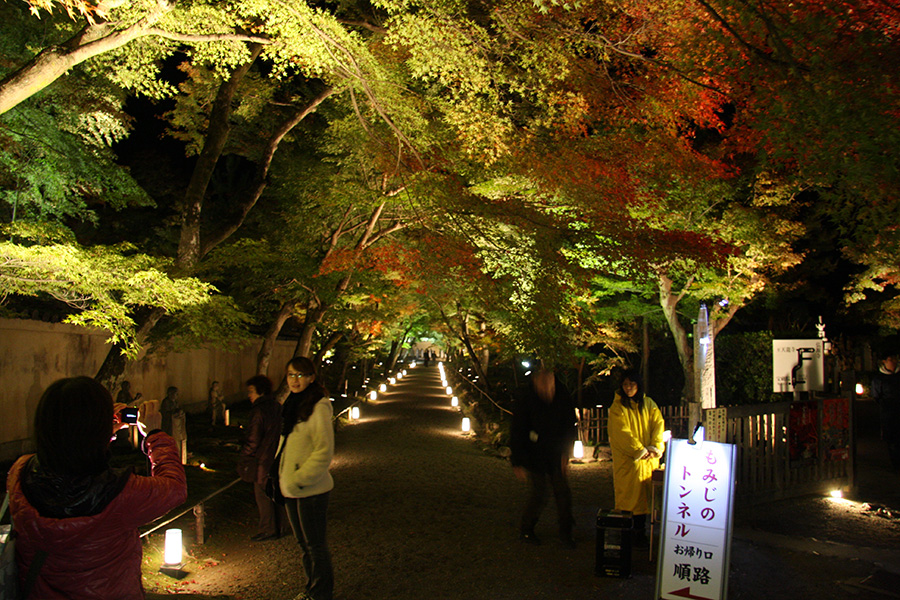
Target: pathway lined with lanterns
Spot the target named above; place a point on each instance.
(444, 512)
(421, 510)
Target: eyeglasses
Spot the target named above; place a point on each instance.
(298, 375)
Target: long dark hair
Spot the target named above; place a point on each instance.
(638, 399)
(299, 407)
(73, 425)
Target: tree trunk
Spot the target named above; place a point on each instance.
(392, 358)
(271, 336)
(313, 318)
(261, 175)
(645, 352)
(473, 356)
(330, 343)
(485, 351)
(669, 302)
(112, 371)
(213, 144)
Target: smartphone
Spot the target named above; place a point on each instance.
(129, 414)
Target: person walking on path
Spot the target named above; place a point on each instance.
(543, 430)
(258, 454)
(636, 439)
(885, 391)
(307, 448)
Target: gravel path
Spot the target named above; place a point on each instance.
(419, 511)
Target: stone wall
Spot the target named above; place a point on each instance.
(34, 354)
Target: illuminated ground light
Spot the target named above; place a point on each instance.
(382, 387)
(373, 395)
(399, 375)
(836, 494)
(354, 412)
(392, 380)
(466, 425)
(454, 402)
(860, 390)
(449, 391)
(404, 371)
(578, 450)
(173, 549)
(412, 365)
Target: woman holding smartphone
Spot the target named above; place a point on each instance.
(306, 450)
(75, 517)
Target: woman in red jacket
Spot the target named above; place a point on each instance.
(68, 505)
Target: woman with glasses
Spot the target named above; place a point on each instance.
(306, 449)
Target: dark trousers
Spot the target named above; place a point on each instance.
(308, 519)
(537, 500)
(272, 518)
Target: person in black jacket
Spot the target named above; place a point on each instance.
(543, 430)
(258, 454)
(885, 391)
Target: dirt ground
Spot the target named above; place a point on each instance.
(419, 510)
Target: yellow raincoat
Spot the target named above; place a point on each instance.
(630, 432)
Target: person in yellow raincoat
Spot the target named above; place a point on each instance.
(636, 440)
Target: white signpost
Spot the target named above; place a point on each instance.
(695, 541)
(798, 365)
(704, 361)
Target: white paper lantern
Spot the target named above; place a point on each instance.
(578, 450)
(172, 553)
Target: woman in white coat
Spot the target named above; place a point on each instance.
(307, 443)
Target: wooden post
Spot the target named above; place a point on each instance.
(200, 522)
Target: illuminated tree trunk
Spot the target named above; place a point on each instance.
(112, 371)
(271, 336)
(669, 302)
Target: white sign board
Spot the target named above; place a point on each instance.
(787, 355)
(695, 542)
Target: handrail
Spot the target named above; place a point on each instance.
(485, 394)
(190, 508)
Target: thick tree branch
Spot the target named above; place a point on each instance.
(198, 38)
(262, 171)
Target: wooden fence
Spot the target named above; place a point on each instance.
(784, 450)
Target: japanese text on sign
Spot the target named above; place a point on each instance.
(696, 534)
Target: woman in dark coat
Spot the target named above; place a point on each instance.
(258, 454)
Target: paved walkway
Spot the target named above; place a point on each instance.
(421, 512)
